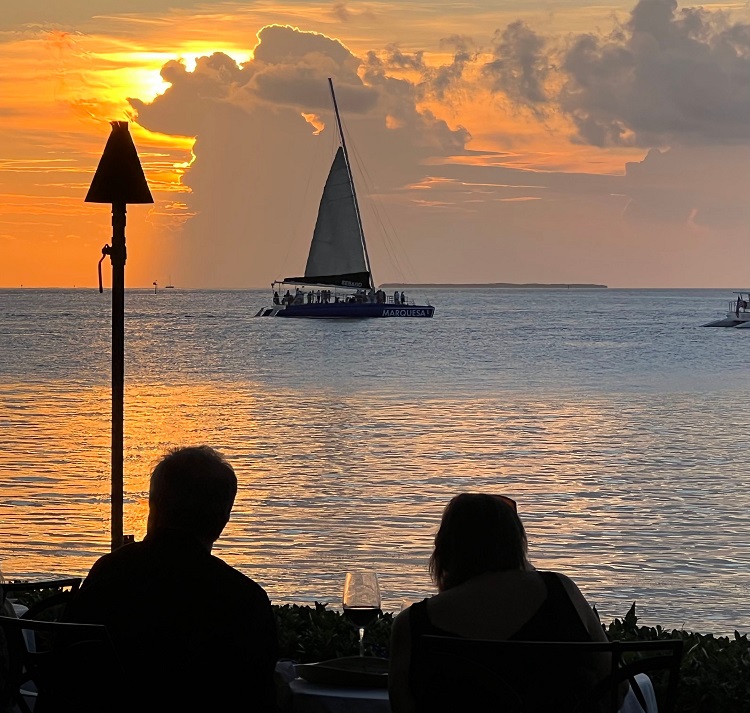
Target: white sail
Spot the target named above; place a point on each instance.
(337, 247)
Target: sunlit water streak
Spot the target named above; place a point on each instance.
(615, 421)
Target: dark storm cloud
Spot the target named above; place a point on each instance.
(396, 59)
(665, 76)
(289, 72)
(521, 66)
(192, 96)
(446, 77)
(435, 81)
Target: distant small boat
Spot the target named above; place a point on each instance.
(738, 314)
(338, 283)
(170, 286)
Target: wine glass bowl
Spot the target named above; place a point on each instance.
(361, 601)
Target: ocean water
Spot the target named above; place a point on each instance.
(616, 422)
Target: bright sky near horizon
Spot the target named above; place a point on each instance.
(503, 141)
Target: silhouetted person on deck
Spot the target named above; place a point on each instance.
(193, 633)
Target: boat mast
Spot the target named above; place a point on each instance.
(351, 180)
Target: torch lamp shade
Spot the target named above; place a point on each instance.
(119, 177)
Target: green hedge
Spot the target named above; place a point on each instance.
(715, 670)
(714, 677)
(308, 634)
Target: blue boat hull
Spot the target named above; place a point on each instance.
(348, 310)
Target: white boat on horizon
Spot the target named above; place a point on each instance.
(338, 282)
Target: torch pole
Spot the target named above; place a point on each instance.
(118, 180)
(118, 256)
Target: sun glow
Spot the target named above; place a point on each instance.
(190, 58)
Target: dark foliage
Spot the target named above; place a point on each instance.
(715, 671)
(308, 634)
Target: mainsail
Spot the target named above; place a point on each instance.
(337, 254)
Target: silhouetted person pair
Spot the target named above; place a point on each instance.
(193, 633)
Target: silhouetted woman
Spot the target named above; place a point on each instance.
(487, 590)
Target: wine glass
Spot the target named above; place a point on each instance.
(361, 601)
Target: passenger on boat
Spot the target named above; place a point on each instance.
(487, 589)
(288, 299)
(276, 299)
(403, 298)
(396, 298)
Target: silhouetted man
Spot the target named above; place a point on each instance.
(194, 634)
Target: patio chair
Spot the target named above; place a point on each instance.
(34, 596)
(13, 589)
(72, 667)
(538, 676)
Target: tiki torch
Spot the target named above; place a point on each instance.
(118, 180)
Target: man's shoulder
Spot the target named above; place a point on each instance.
(118, 559)
(232, 577)
(150, 569)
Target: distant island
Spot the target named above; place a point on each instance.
(527, 285)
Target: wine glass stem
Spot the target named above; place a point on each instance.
(361, 641)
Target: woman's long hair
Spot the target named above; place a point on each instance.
(478, 533)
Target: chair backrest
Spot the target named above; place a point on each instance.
(45, 599)
(14, 589)
(453, 674)
(69, 667)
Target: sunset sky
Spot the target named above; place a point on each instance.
(501, 140)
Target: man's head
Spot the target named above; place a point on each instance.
(192, 489)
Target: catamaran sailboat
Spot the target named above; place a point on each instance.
(338, 280)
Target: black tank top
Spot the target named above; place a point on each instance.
(557, 619)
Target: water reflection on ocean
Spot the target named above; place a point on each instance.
(610, 416)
